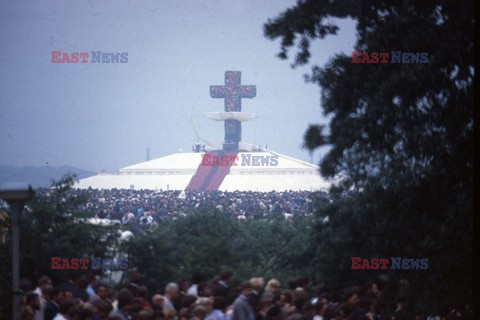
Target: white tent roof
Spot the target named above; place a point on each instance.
(175, 172)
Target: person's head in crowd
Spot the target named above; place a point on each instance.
(298, 302)
(219, 303)
(157, 314)
(142, 292)
(27, 314)
(102, 291)
(372, 288)
(273, 286)
(81, 314)
(273, 313)
(188, 300)
(183, 285)
(365, 305)
(143, 315)
(320, 308)
(65, 308)
(92, 279)
(287, 297)
(135, 278)
(157, 300)
(171, 290)
(44, 282)
(346, 310)
(124, 299)
(103, 308)
(82, 282)
(68, 295)
(324, 298)
(303, 282)
(339, 314)
(226, 275)
(257, 284)
(300, 293)
(54, 295)
(204, 289)
(292, 284)
(246, 289)
(207, 303)
(263, 304)
(351, 297)
(169, 314)
(184, 314)
(199, 312)
(78, 303)
(136, 305)
(232, 295)
(31, 306)
(32, 300)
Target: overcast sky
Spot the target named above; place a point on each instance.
(104, 116)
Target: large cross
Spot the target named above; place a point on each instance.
(233, 93)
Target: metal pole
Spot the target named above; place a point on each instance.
(16, 208)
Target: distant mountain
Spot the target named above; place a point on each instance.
(39, 176)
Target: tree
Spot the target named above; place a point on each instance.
(400, 136)
(207, 241)
(52, 226)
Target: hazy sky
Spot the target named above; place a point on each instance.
(104, 116)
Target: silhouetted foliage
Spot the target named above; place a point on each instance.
(208, 241)
(400, 137)
(52, 227)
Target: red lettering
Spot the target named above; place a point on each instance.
(206, 159)
(65, 264)
(384, 56)
(356, 263)
(216, 162)
(56, 262)
(374, 263)
(225, 161)
(384, 263)
(75, 57)
(55, 55)
(65, 58)
(365, 264)
(365, 58)
(355, 56)
(374, 57)
(84, 55)
(233, 160)
(74, 263)
(84, 263)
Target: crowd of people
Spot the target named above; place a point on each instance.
(152, 206)
(87, 297)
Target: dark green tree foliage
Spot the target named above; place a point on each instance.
(401, 136)
(208, 241)
(53, 227)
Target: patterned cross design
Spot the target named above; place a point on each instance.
(233, 92)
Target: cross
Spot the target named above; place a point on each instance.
(233, 93)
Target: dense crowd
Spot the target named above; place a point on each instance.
(151, 206)
(87, 297)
